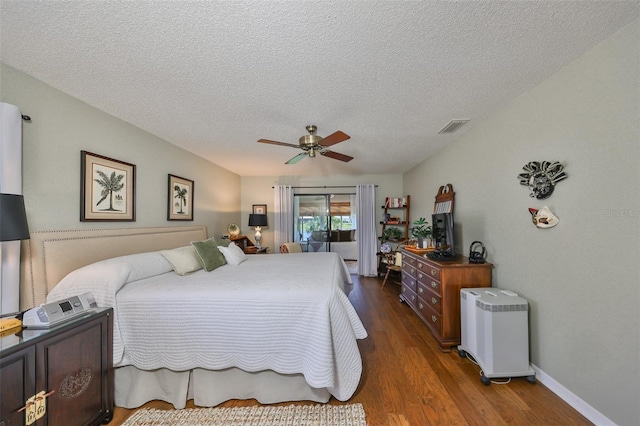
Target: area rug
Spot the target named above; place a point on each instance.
(291, 415)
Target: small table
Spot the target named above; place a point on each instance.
(244, 243)
(255, 250)
(73, 358)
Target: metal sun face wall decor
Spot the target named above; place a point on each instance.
(541, 178)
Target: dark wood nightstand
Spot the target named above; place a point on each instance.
(72, 362)
(244, 243)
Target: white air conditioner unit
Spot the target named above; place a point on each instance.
(495, 332)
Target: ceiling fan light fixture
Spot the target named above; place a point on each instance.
(313, 144)
(453, 125)
(309, 141)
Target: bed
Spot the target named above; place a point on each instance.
(238, 332)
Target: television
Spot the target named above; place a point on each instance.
(442, 237)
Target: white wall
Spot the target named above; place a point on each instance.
(62, 126)
(582, 277)
(259, 190)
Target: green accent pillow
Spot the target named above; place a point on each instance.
(223, 242)
(208, 254)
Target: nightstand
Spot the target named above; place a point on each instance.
(72, 362)
(256, 250)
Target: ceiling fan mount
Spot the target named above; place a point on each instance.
(313, 144)
(311, 140)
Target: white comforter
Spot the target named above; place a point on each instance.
(272, 312)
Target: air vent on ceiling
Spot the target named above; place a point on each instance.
(453, 125)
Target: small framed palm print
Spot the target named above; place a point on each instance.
(180, 205)
(107, 189)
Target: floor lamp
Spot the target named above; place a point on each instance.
(13, 227)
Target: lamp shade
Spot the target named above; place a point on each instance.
(13, 218)
(257, 220)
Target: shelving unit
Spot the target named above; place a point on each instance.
(396, 210)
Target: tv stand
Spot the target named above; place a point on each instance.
(432, 289)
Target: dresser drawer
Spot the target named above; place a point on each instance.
(429, 315)
(408, 260)
(430, 282)
(409, 281)
(409, 296)
(429, 297)
(430, 270)
(408, 269)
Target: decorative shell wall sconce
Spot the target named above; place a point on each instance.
(543, 218)
(542, 177)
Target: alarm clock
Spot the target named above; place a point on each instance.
(50, 314)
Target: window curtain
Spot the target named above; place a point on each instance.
(352, 210)
(367, 237)
(283, 211)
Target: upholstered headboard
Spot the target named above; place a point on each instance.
(50, 255)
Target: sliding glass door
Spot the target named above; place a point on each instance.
(326, 222)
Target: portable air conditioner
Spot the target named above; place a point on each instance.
(495, 332)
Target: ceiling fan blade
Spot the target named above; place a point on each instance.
(297, 158)
(334, 138)
(278, 143)
(336, 156)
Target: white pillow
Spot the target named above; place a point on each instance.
(183, 259)
(233, 254)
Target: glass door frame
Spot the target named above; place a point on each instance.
(304, 236)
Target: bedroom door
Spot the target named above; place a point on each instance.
(321, 219)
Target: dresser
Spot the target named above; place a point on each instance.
(69, 364)
(432, 289)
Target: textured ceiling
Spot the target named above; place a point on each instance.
(213, 77)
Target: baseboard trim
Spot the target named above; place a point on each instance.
(593, 415)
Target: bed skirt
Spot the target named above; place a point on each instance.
(134, 387)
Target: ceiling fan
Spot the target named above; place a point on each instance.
(313, 144)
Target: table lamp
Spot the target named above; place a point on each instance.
(13, 227)
(13, 218)
(258, 220)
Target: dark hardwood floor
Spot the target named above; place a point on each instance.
(407, 380)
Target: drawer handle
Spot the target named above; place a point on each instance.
(420, 275)
(434, 284)
(420, 306)
(40, 395)
(434, 301)
(434, 272)
(433, 318)
(420, 290)
(413, 297)
(420, 265)
(413, 284)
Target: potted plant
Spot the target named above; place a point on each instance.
(392, 234)
(422, 231)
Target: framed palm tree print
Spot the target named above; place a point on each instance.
(180, 198)
(107, 189)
